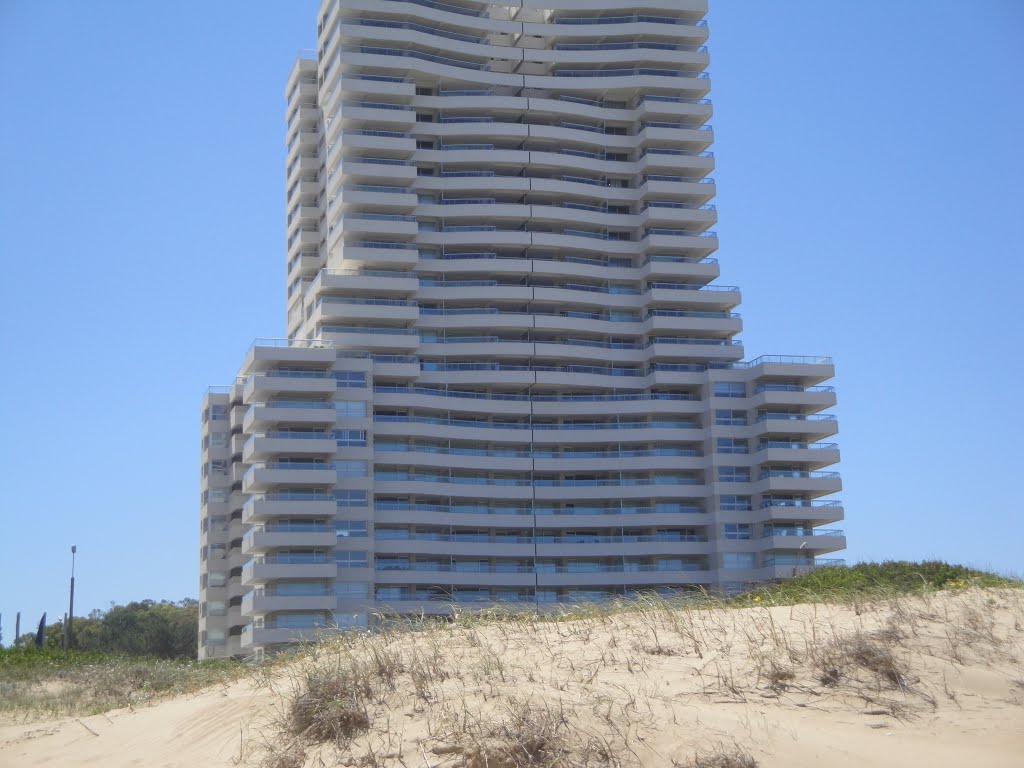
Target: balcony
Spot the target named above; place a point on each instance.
(263, 445)
(260, 601)
(816, 511)
(274, 505)
(264, 416)
(810, 427)
(802, 538)
(798, 481)
(266, 475)
(262, 569)
(262, 385)
(287, 535)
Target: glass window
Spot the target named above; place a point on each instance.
(730, 389)
(299, 588)
(730, 503)
(734, 474)
(731, 445)
(350, 378)
(350, 528)
(351, 498)
(351, 559)
(725, 418)
(353, 409)
(352, 590)
(350, 437)
(351, 468)
(738, 560)
(736, 531)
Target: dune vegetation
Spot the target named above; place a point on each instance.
(874, 664)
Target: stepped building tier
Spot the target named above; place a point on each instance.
(511, 374)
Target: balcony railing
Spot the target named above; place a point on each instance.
(636, 18)
(439, 32)
(413, 54)
(459, 9)
(788, 503)
(477, 509)
(630, 46)
(796, 416)
(566, 397)
(629, 73)
(769, 473)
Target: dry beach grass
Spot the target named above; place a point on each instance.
(881, 679)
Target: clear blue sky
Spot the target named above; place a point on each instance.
(870, 164)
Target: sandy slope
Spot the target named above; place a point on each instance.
(936, 682)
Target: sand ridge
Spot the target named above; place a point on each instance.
(937, 679)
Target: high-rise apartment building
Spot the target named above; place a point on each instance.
(511, 375)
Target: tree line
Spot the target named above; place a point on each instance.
(164, 629)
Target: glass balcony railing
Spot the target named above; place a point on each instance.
(378, 105)
(663, 538)
(770, 444)
(385, 331)
(437, 31)
(314, 404)
(414, 54)
(630, 45)
(648, 424)
(483, 509)
(579, 567)
(636, 18)
(784, 416)
(827, 503)
(632, 72)
(293, 558)
(790, 388)
(292, 527)
(799, 531)
(450, 8)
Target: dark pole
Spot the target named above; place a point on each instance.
(68, 635)
(17, 627)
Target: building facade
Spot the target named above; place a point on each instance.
(511, 375)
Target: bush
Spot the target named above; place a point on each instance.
(868, 580)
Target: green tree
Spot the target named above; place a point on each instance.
(165, 629)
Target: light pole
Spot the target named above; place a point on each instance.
(68, 636)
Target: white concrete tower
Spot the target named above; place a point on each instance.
(510, 375)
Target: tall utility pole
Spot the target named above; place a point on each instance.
(68, 636)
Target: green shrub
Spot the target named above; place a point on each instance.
(873, 580)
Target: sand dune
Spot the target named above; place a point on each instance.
(935, 680)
